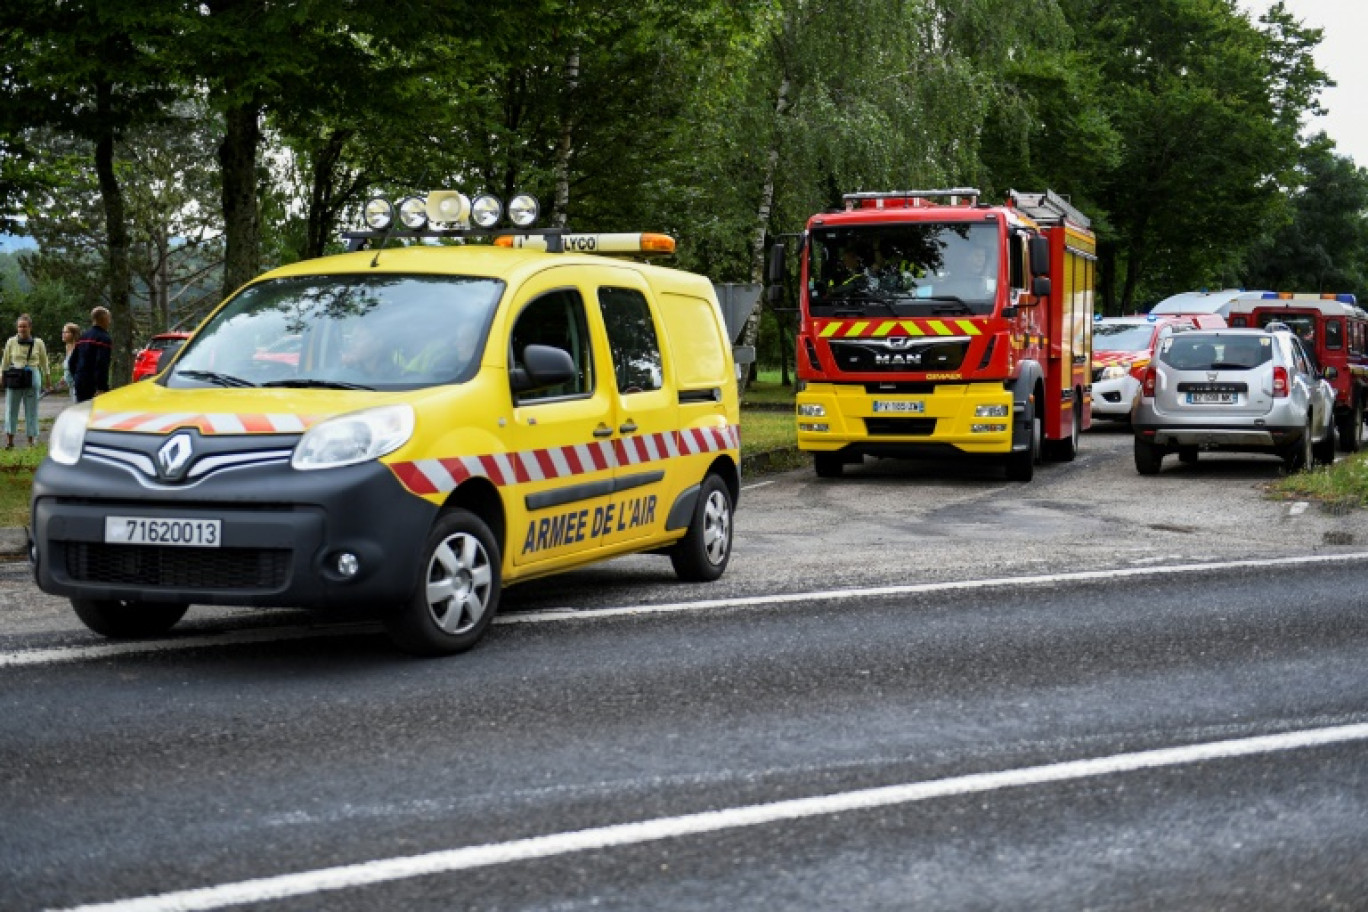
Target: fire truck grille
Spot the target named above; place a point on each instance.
(180, 568)
(900, 427)
(882, 355)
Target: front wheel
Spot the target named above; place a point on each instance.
(123, 619)
(702, 554)
(458, 592)
(1021, 463)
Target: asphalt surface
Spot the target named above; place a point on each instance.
(907, 625)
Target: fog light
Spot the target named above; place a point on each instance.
(348, 564)
(812, 410)
(988, 428)
(819, 428)
(992, 411)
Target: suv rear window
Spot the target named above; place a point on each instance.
(1191, 351)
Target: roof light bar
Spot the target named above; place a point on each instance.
(643, 244)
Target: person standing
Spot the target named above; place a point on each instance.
(24, 352)
(70, 333)
(90, 360)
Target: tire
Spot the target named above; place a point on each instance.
(702, 554)
(1021, 463)
(1149, 458)
(1298, 454)
(123, 619)
(1187, 455)
(1351, 429)
(457, 594)
(1324, 451)
(828, 465)
(1067, 450)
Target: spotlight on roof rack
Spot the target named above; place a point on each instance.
(523, 210)
(413, 213)
(378, 213)
(486, 211)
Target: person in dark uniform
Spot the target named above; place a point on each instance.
(90, 358)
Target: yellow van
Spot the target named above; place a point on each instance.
(406, 429)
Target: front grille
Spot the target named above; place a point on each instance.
(900, 427)
(178, 568)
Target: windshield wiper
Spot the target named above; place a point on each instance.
(311, 383)
(215, 378)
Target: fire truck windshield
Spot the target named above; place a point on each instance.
(903, 269)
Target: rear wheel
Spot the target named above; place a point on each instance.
(1324, 450)
(702, 554)
(1298, 454)
(1149, 459)
(458, 593)
(122, 618)
(1351, 428)
(828, 465)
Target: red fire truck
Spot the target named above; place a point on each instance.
(933, 324)
(1334, 329)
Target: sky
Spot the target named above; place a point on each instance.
(1341, 55)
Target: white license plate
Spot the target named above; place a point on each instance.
(915, 407)
(148, 530)
(1212, 398)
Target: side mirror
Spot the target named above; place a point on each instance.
(1040, 286)
(542, 366)
(777, 268)
(1040, 256)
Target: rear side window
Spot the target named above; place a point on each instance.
(1190, 351)
(632, 338)
(1334, 334)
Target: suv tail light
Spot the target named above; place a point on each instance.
(1279, 382)
(1147, 384)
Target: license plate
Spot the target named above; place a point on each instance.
(1212, 398)
(146, 530)
(898, 406)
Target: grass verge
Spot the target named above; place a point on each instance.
(1343, 485)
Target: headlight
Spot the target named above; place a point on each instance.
(413, 213)
(1115, 371)
(812, 410)
(349, 439)
(68, 434)
(379, 212)
(992, 411)
(523, 210)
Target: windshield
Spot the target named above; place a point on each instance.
(925, 268)
(344, 332)
(1122, 336)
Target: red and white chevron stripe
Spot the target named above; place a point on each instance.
(440, 476)
(211, 423)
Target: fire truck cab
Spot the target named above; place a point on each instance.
(932, 324)
(1334, 330)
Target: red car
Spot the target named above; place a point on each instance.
(146, 361)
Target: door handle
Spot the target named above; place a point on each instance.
(603, 430)
(628, 428)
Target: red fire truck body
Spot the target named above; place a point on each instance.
(932, 324)
(1334, 329)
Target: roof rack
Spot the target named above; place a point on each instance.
(1048, 207)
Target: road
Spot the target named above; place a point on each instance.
(1094, 691)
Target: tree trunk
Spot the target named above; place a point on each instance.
(565, 151)
(241, 216)
(116, 228)
(324, 201)
(751, 334)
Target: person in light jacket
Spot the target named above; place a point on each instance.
(25, 351)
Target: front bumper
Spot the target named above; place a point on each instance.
(1114, 398)
(282, 531)
(857, 420)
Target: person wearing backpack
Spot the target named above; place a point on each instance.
(25, 371)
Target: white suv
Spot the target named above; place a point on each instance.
(1241, 390)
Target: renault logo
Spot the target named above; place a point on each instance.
(174, 456)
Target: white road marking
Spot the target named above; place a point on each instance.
(626, 834)
(1298, 508)
(27, 657)
(758, 484)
